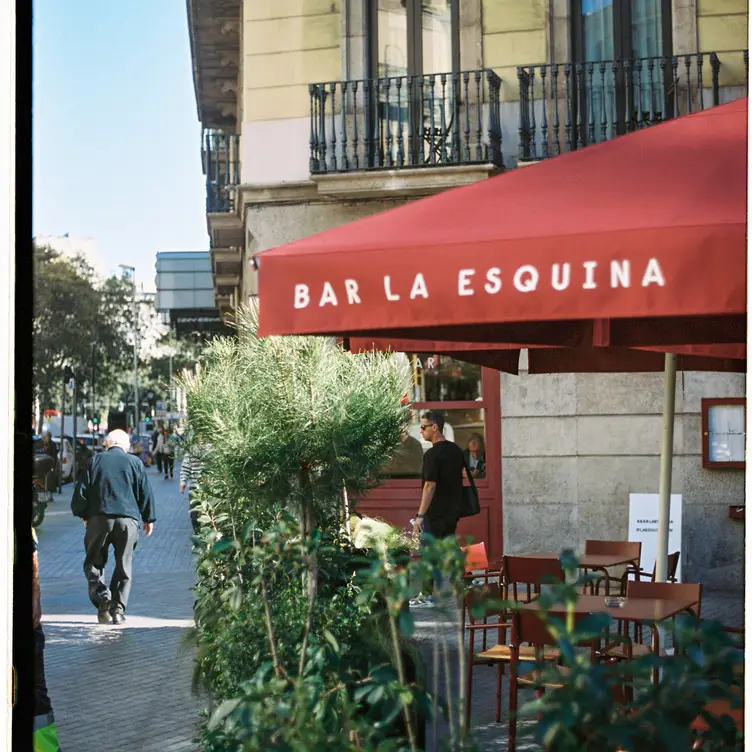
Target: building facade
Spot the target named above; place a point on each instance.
(319, 112)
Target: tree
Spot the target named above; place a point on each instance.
(72, 312)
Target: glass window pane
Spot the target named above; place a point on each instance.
(465, 427)
(647, 37)
(437, 36)
(727, 433)
(392, 38)
(439, 378)
(598, 29)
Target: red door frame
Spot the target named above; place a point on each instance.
(397, 501)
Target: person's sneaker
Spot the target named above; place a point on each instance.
(103, 613)
(422, 601)
(118, 617)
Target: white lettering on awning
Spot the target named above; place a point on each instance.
(463, 287)
(653, 274)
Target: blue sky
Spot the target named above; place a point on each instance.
(116, 136)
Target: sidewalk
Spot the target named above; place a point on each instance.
(123, 688)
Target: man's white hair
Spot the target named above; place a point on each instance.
(118, 438)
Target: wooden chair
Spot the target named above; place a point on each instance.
(531, 636)
(664, 590)
(671, 569)
(517, 570)
(629, 549)
(477, 568)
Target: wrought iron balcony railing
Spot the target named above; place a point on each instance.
(222, 169)
(569, 106)
(405, 122)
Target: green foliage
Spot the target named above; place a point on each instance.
(294, 420)
(72, 312)
(291, 648)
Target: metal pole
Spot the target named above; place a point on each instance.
(169, 389)
(75, 438)
(62, 433)
(135, 355)
(95, 424)
(667, 452)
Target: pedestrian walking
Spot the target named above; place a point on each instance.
(111, 498)
(190, 473)
(441, 497)
(166, 445)
(44, 729)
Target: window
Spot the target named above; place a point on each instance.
(453, 388)
(634, 31)
(413, 37)
(723, 433)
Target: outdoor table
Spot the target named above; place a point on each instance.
(597, 562)
(651, 610)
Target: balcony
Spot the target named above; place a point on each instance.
(221, 163)
(563, 107)
(406, 124)
(222, 170)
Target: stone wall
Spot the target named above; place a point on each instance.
(574, 446)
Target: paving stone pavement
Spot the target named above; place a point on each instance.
(123, 688)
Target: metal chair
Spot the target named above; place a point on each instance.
(517, 570)
(672, 568)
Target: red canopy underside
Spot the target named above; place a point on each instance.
(647, 231)
(541, 359)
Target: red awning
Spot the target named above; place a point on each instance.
(542, 359)
(647, 230)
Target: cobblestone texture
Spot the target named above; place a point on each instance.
(123, 688)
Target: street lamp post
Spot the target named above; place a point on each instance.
(136, 416)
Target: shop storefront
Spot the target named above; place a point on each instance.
(468, 398)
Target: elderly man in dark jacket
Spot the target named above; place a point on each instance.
(112, 497)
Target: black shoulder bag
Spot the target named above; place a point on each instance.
(470, 503)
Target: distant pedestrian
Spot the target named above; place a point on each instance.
(166, 445)
(155, 452)
(112, 497)
(190, 473)
(441, 497)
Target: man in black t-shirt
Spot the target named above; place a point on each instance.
(442, 489)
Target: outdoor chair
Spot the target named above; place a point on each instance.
(518, 570)
(529, 642)
(671, 569)
(664, 590)
(477, 568)
(630, 549)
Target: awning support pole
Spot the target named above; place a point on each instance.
(667, 455)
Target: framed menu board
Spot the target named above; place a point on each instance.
(724, 433)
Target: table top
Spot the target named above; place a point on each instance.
(587, 561)
(634, 609)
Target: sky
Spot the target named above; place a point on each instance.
(116, 136)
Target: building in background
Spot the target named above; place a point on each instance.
(319, 112)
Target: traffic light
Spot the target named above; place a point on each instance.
(95, 421)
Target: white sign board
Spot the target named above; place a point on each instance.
(643, 527)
